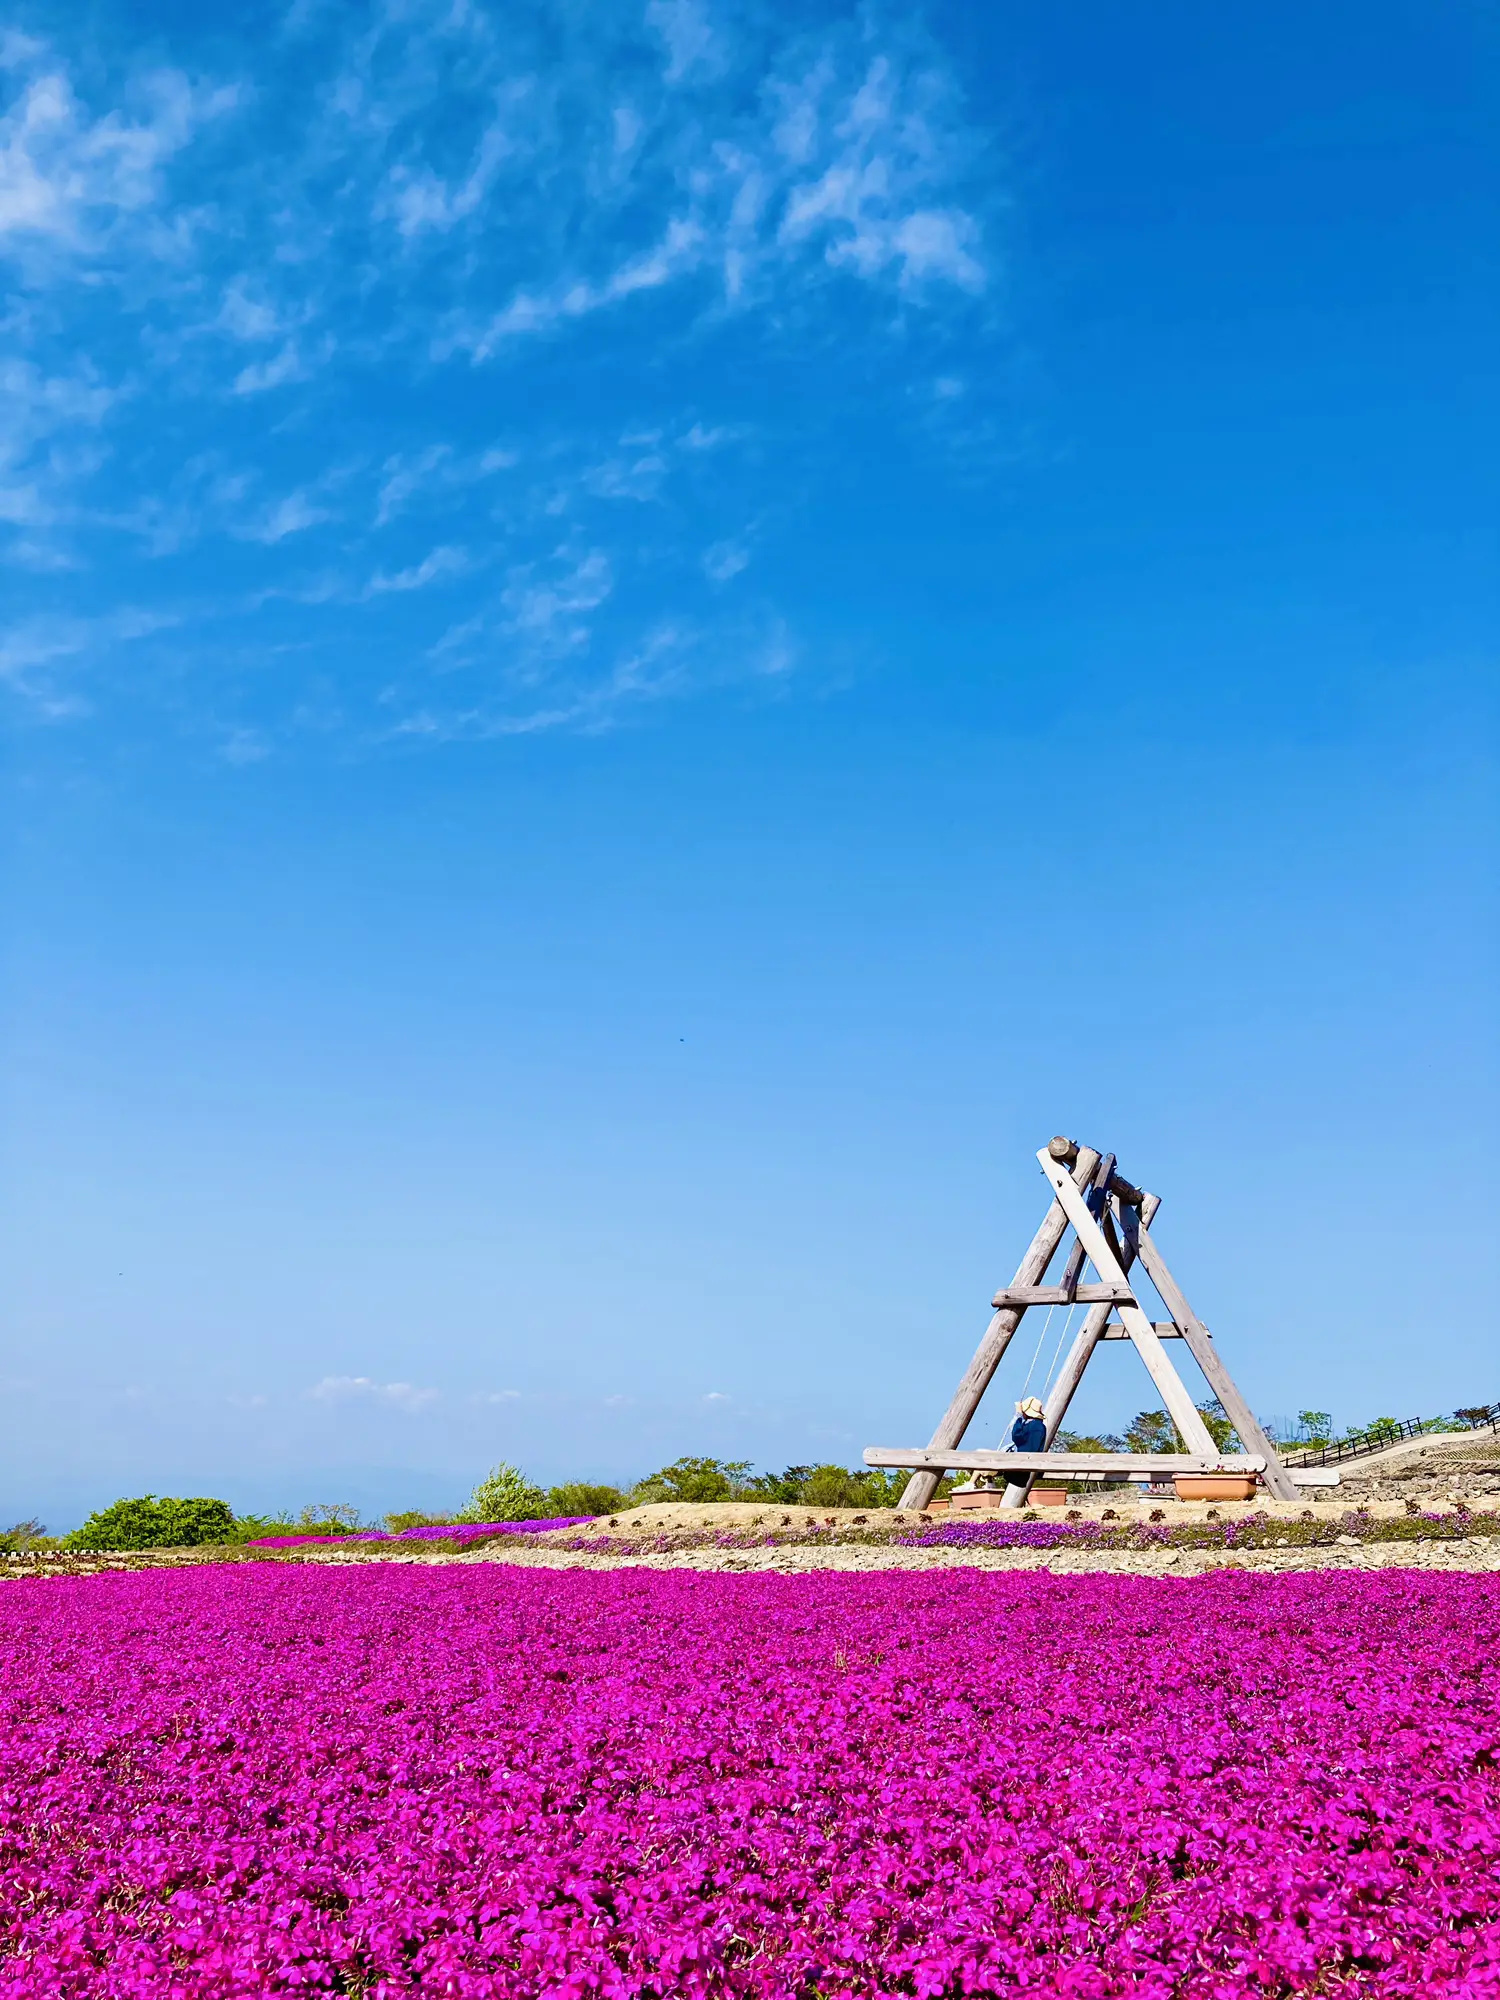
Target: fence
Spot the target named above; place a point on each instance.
(1361, 1443)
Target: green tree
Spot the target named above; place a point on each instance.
(1316, 1426)
(1072, 1441)
(695, 1480)
(151, 1523)
(504, 1494)
(579, 1497)
(1153, 1430)
(27, 1535)
(781, 1489)
(1216, 1423)
(1477, 1414)
(331, 1517)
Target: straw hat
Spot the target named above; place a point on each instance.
(1030, 1407)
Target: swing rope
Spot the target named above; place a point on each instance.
(1052, 1367)
(1039, 1339)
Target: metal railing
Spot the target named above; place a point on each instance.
(1360, 1444)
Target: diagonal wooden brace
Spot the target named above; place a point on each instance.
(1278, 1481)
(1169, 1384)
(1088, 1338)
(1031, 1271)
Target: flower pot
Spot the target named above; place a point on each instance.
(1214, 1486)
(1049, 1496)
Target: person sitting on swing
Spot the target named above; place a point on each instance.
(1027, 1433)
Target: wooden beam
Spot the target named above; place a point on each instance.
(1078, 1256)
(1060, 1295)
(966, 1398)
(1164, 1329)
(1217, 1376)
(1169, 1384)
(1063, 1463)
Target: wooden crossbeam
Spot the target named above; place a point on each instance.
(1060, 1295)
(1063, 1463)
(1162, 1328)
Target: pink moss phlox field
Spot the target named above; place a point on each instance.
(492, 1781)
(454, 1531)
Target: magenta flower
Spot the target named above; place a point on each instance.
(488, 1783)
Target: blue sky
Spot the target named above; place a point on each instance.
(640, 644)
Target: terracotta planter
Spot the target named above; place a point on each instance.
(1214, 1486)
(1049, 1496)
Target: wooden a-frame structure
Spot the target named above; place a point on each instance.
(1110, 1223)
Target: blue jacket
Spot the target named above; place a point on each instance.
(1028, 1434)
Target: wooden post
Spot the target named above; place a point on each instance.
(1200, 1345)
(1031, 1271)
(1169, 1384)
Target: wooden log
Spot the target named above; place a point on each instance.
(1201, 1347)
(1065, 1152)
(1164, 1329)
(1059, 1295)
(1169, 1384)
(966, 1398)
(1063, 1463)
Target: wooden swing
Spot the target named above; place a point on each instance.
(1110, 1221)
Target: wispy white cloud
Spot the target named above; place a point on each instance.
(548, 605)
(289, 365)
(363, 1388)
(438, 564)
(354, 246)
(293, 515)
(69, 177)
(725, 560)
(32, 649)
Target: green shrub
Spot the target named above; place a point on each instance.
(413, 1517)
(504, 1494)
(579, 1497)
(833, 1486)
(253, 1527)
(150, 1523)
